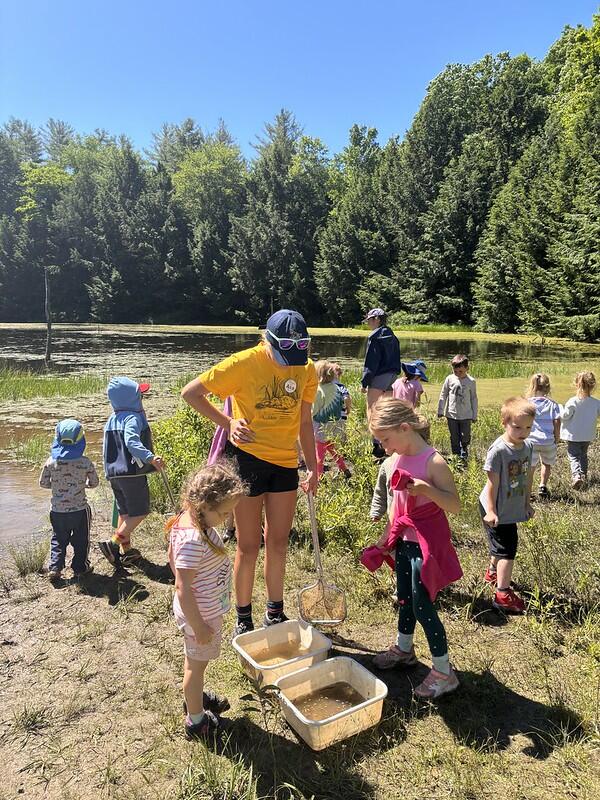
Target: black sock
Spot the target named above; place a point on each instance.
(274, 608)
(244, 613)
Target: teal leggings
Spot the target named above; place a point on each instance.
(414, 602)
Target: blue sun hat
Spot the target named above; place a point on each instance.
(69, 440)
(415, 369)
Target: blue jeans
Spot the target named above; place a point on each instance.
(460, 436)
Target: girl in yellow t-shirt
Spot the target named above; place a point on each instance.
(272, 387)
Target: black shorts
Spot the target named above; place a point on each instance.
(261, 476)
(502, 540)
(132, 495)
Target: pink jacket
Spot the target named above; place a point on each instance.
(440, 562)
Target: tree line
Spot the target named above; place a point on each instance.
(485, 213)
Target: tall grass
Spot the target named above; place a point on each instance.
(29, 558)
(33, 450)
(17, 384)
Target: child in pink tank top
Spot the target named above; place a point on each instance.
(425, 561)
(408, 387)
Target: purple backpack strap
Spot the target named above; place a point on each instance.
(219, 439)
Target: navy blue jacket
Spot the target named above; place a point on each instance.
(127, 437)
(383, 354)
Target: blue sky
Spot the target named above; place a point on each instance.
(128, 66)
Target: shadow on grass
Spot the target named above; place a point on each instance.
(156, 572)
(485, 714)
(117, 587)
(283, 765)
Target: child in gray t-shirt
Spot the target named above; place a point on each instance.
(506, 498)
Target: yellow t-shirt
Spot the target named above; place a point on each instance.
(268, 396)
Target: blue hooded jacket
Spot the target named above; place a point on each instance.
(127, 437)
(383, 354)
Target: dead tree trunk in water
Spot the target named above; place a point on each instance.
(48, 356)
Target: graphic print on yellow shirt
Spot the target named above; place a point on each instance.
(268, 396)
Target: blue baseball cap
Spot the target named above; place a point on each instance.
(69, 440)
(287, 324)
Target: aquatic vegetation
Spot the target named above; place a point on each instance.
(17, 384)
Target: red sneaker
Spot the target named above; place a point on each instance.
(509, 602)
(490, 577)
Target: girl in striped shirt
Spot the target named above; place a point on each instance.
(202, 586)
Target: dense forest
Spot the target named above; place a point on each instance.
(487, 212)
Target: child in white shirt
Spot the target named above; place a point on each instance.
(578, 425)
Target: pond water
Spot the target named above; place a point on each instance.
(161, 356)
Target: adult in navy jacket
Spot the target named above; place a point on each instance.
(382, 363)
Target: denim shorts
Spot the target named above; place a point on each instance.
(384, 381)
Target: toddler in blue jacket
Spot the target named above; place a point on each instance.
(128, 457)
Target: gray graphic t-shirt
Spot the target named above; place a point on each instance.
(512, 465)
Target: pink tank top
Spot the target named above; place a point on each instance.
(417, 466)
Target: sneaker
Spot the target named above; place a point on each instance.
(110, 551)
(491, 576)
(243, 626)
(394, 657)
(509, 602)
(268, 621)
(347, 474)
(54, 574)
(543, 493)
(436, 684)
(131, 556)
(213, 702)
(89, 569)
(207, 728)
(378, 451)
(229, 535)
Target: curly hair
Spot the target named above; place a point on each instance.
(208, 487)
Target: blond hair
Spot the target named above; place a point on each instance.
(585, 382)
(516, 407)
(540, 382)
(325, 371)
(208, 487)
(389, 412)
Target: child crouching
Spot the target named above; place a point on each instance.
(426, 561)
(69, 473)
(202, 586)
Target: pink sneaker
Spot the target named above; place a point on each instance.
(394, 657)
(436, 684)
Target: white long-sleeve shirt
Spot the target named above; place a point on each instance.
(458, 398)
(578, 418)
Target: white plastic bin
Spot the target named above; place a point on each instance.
(309, 643)
(322, 733)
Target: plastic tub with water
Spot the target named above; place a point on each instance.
(269, 653)
(319, 691)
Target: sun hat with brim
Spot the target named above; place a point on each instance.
(375, 313)
(413, 370)
(286, 326)
(69, 440)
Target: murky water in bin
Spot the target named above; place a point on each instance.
(278, 653)
(329, 700)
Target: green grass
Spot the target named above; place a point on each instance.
(17, 384)
(33, 450)
(29, 558)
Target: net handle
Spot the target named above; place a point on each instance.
(315, 533)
